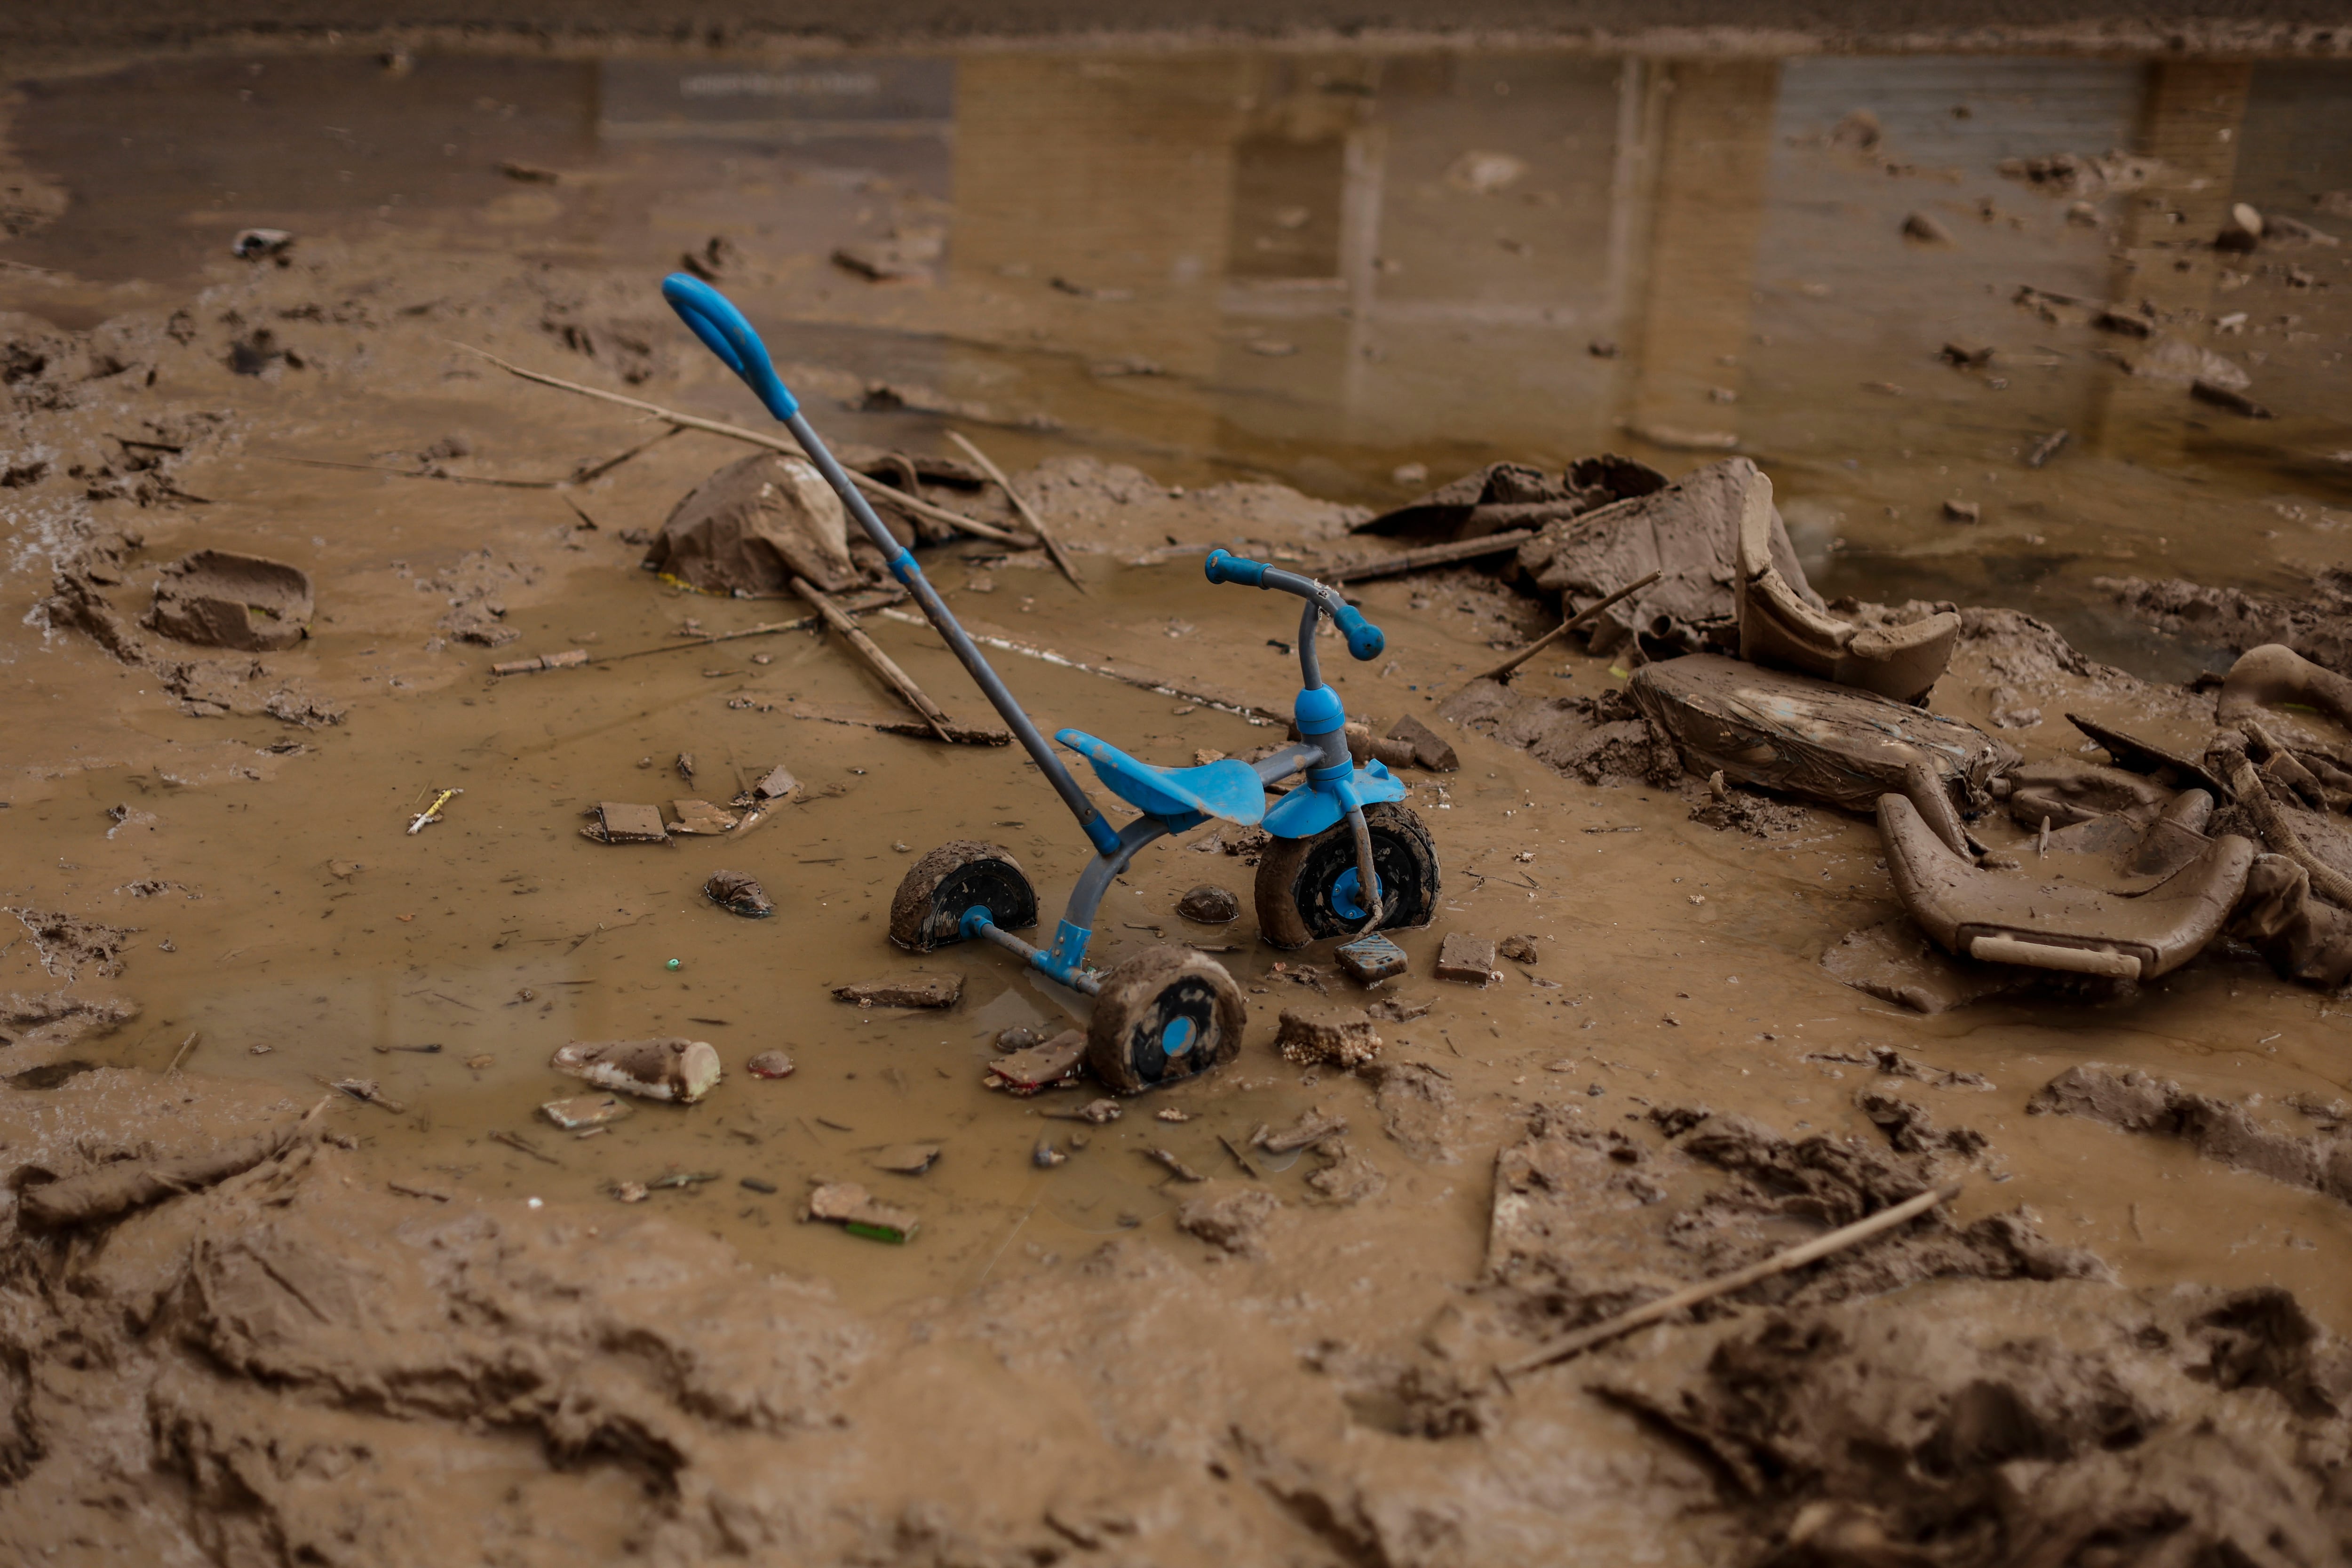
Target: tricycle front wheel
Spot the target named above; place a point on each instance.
(1306, 887)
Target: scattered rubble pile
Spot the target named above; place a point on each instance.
(1745, 679)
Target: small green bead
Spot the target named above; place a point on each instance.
(673, 963)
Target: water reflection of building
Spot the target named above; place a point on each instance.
(1347, 257)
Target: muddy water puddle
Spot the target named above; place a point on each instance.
(1328, 268)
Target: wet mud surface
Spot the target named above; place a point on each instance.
(1186, 299)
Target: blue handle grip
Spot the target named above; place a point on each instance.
(1225, 567)
(723, 331)
(1365, 640)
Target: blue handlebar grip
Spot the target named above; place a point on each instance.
(1365, 640)
(723, 331)
(1225, 567)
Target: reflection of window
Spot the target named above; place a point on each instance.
(767, 84)
(1286, 208)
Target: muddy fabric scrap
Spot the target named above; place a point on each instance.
(1517, 495)
(1689, 533)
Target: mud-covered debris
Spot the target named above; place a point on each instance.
(217, 598)
(1099, 1112)
(2133, 1101)
(1466, 958)
(367, 1091)
(1370, 959)
(1504, 496)
(2025, 1441)
(2222, 396)
(770, 1064)
(906, 1159)
(116, 1186)
(739, 892)
(851, 1207)
(1043, 1065)
(1911, 1129)
(1430, 749)
(625, 821)
(1045, 1157)
(766, 1189)
(673, 1067)
(1168, 1160)
(698, 818)
(1397, 1010)
(1314, 1125)
(629, 1192)
(66, 943)
(1689, 533)
(1209, 904)
(683, 1181)
(584, 1111)
(755, 525)
(1170, 1113)
(527, 174)
(776, 783)
(1957, 510)
(1417, 1110)
(1889, 1062)
(1337, 1037)
(906, 991)
(569, 658)
(1807, 737)
(1233, 1222)
(1926, 229)
(262, 245)
(1347, 1177)
(685, 766)
(714, 259)
(1520, 949)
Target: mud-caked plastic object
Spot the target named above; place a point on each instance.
(1778, 628)
(2020, 917)
(1807, 737)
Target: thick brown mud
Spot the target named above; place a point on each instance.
(1187, 298)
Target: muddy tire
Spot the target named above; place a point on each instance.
(1302, 883)
(928, 911)
(1164, 1015)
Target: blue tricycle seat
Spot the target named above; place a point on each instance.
(1228, 789)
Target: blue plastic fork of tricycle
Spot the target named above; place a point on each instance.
(1304, 813)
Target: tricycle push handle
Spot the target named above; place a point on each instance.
(1365, 640)
(723, 331)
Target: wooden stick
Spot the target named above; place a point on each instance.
(186, 1047)
(1434, 555)
(874, 488)
(1837, 1240)
(884, 666)
(1566, 626)
(1020, 504)
(587, 473)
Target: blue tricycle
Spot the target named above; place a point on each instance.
(1344, 858)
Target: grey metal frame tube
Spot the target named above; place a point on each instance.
(935, 610)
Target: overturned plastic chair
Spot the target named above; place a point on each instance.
(2017, 917)
(1778, 628)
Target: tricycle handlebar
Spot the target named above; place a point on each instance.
(1365, 640)
(725, 332)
